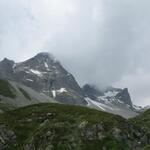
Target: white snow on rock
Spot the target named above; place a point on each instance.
(28, 72)
(46, 65)
(29, 80)
(14, 65)
(109, 97)
(111, 94)
(89, 101)
(61, 90)
(54, 93)
(38, 73)
(102, 106)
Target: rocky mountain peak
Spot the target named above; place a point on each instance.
(6, 68)
(45, 56)
(47, 76)
(7, 61)
(124, 96)
(41, 60)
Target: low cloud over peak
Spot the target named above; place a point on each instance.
(103, 42)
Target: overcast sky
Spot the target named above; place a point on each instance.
(105, 42)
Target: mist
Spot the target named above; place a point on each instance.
(103, 42)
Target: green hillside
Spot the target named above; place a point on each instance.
(143, 120)
(65, 127)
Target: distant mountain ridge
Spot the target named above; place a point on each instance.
(44, 74)
(113, 100)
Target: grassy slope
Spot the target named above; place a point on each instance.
(64, 127)
(6, 107)
(143, 121)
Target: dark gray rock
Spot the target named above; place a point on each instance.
(124, 97)
(7, 137)
(92, 91)
(44, 74)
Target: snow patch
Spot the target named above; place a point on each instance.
(28, 72)
(46, 65)
(137, 107)
(109, 97)
(29, 80)
(14, 65)
(38, 73)
(100, 105)
(111, 94)
(54, 93)
(61, 90)
(90, 101)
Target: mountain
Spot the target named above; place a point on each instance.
(113, 100)
(43, 85)
(13, 95)
(66, 127)
(44, 74)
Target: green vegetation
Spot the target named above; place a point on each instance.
(66, 127)
(146, 148)
(26, 95)
(6, 107)
(142, 121)
(6, 89)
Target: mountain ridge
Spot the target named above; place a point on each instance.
(45, 74)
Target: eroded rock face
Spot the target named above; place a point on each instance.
(7, 137)
(45, 75)
(113, 100)
(124, 97)
(50, 139)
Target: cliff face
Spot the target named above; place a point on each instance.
(45, 75)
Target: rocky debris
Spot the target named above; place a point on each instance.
(29, 147)
(94, 132)
(83, 124)
(7, 137)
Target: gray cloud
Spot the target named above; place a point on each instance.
(105, 42)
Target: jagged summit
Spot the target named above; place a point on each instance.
(45, 55)
(45, 75)
(43, 58)
(7, 61)
(113, 100)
